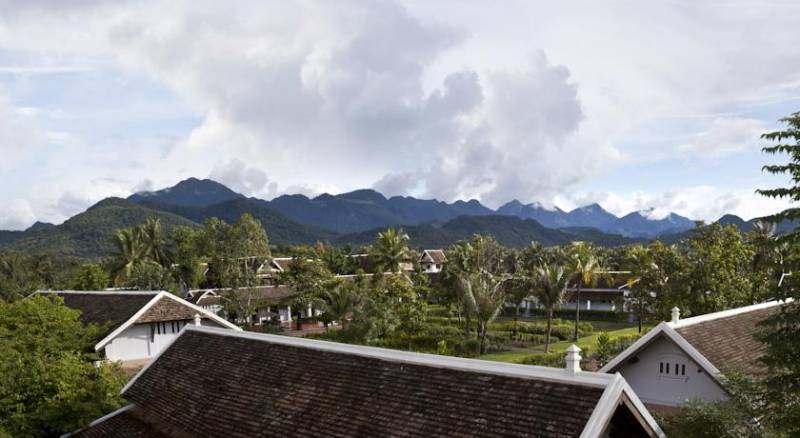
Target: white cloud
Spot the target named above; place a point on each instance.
(706, 203)
(16, 215)
(444, 99)
(242, 179)
(725, 136)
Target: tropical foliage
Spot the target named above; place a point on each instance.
(48, 386)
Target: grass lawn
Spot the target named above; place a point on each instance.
(583, 343)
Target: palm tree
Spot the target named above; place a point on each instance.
(551, 290)
(587, 271)
(130, 252)
(155, 245)
(391, 249)
(338, 304)
(485, 293)
(642, 265)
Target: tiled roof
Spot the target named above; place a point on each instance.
(260, 385)
(168, 310)
(728, 342)
(124, 424)
(282, 262)
(263, 295)
(112, 308)
(436, 255)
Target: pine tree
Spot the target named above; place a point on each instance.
(782, 330)
(788, 142)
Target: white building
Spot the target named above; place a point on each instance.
(207, 299)
(432, 261)
(681, 359)
(137, 325)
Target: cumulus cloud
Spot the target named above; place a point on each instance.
(398, 184)
(18, 138)
(16, 215)
(518, 142)
(322, 96)
(725, 136)
(246, 180)
(703, 202)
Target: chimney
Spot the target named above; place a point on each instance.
(676, 315)
(573, 359)
(197, 320)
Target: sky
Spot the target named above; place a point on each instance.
(648, 106)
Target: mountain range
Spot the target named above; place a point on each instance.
(352, 218)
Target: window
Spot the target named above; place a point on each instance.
(152, 332)
(679, 369)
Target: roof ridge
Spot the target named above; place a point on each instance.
(584, 378)
(725, 313)
(100, 292)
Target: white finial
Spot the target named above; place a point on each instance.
(676, 315)
(197, 320)
(573, 359)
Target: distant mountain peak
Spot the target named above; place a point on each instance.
(191, 192)
(37, 226)
(364, 195)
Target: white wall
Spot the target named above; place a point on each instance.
(656, 387)
(132, 343)
(135, 342)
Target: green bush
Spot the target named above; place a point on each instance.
(554, 359)
(569, 314)
(468, 348)
(560, 329)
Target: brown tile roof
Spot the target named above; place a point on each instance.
(112, 308)
(256, 385)
(728, 342)
(125, 424)
(208, 300)
(166, 309)
(436, 255)
(282, 262)
(265, 295)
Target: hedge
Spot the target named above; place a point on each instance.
(569, 314)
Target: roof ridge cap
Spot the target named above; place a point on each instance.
(584, 378)
(725, 313)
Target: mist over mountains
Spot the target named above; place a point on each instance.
(365, 209)
(352, 218)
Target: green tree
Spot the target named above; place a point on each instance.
(234, 253)
(732, 418)
(551, 282)
(129, 252)
(151, 276)
(765, 265)
(587, 270)
(667, 279)
(310, 279)
(782, 330)
(719, 263)
(339, 303)
(90, 276)
(48, 386)
(189, 263)
(480, 270)
(391, 250)
(642, 296)
(155, 243)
